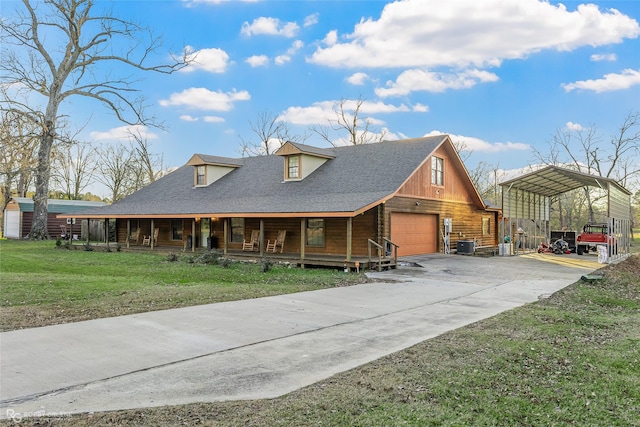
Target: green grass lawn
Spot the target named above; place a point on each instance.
(43, 285)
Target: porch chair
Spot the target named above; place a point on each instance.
(253, 243)
(63, 232)
(273, 245)
(135, 236)
(146, 240)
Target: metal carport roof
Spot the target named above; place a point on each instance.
(553, 180)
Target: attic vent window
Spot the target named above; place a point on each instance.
(293, 169)
(200, 175)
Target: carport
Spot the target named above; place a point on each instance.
(526, 202)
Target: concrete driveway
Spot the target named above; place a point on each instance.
(264, 347)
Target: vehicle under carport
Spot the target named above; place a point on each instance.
(526, 203)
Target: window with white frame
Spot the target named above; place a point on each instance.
(293, 167)
(437, 168)
(200, 175)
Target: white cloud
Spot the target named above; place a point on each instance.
(476, 144)
(574, 126)
(295, 47)
(213, 60)
(188, 118)
(611, 57)
(213, 119)
(269, 26)
(257, 60)
(420, 108)
(462, 33)
(123, 132)
(358, 79)
(319, 113)
(423, 80)
(331, 38)
(204, 99)
(610, 82)
(311, 20)
(282, 59)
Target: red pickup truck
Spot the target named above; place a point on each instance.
(593, 234)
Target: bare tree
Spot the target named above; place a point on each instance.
(74, 166)
(148, 166)
(348, 121)
(55, 49)
(272, 133)
(116, 170)
(18, 142)
(584, 150)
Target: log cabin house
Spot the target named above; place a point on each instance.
(336, 205)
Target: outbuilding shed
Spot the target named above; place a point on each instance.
(18, 216)
(526, 204)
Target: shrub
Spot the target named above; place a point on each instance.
(266, 264)
(172, 257)
(88, 247)
(225, 262)
(118, 247)
(211, 257)
(58, 242)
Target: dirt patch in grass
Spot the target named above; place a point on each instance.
(570, 359)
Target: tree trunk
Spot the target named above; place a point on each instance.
(39, 228)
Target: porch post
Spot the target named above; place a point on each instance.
(349, 237)
(152, 244)
(261, 237)
(225, 234)
(302, 238)
(106, 230)
(193, 235)
(88, 234)
(128, 231)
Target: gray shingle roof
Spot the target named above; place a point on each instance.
(357, 177)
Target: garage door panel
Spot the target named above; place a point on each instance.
(414, 233)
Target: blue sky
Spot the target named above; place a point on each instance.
(501, 75)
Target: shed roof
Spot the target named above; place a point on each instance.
(58, 205)
(553, 180)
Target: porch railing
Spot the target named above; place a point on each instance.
(387, 254)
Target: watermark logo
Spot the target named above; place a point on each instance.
(17, 417)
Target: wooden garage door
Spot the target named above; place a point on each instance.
(414, 233)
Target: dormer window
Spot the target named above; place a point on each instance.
(201, 175)
(209, 169)
(293, 167)
(301, 160)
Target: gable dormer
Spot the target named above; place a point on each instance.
(301, 160)
(209, 169)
